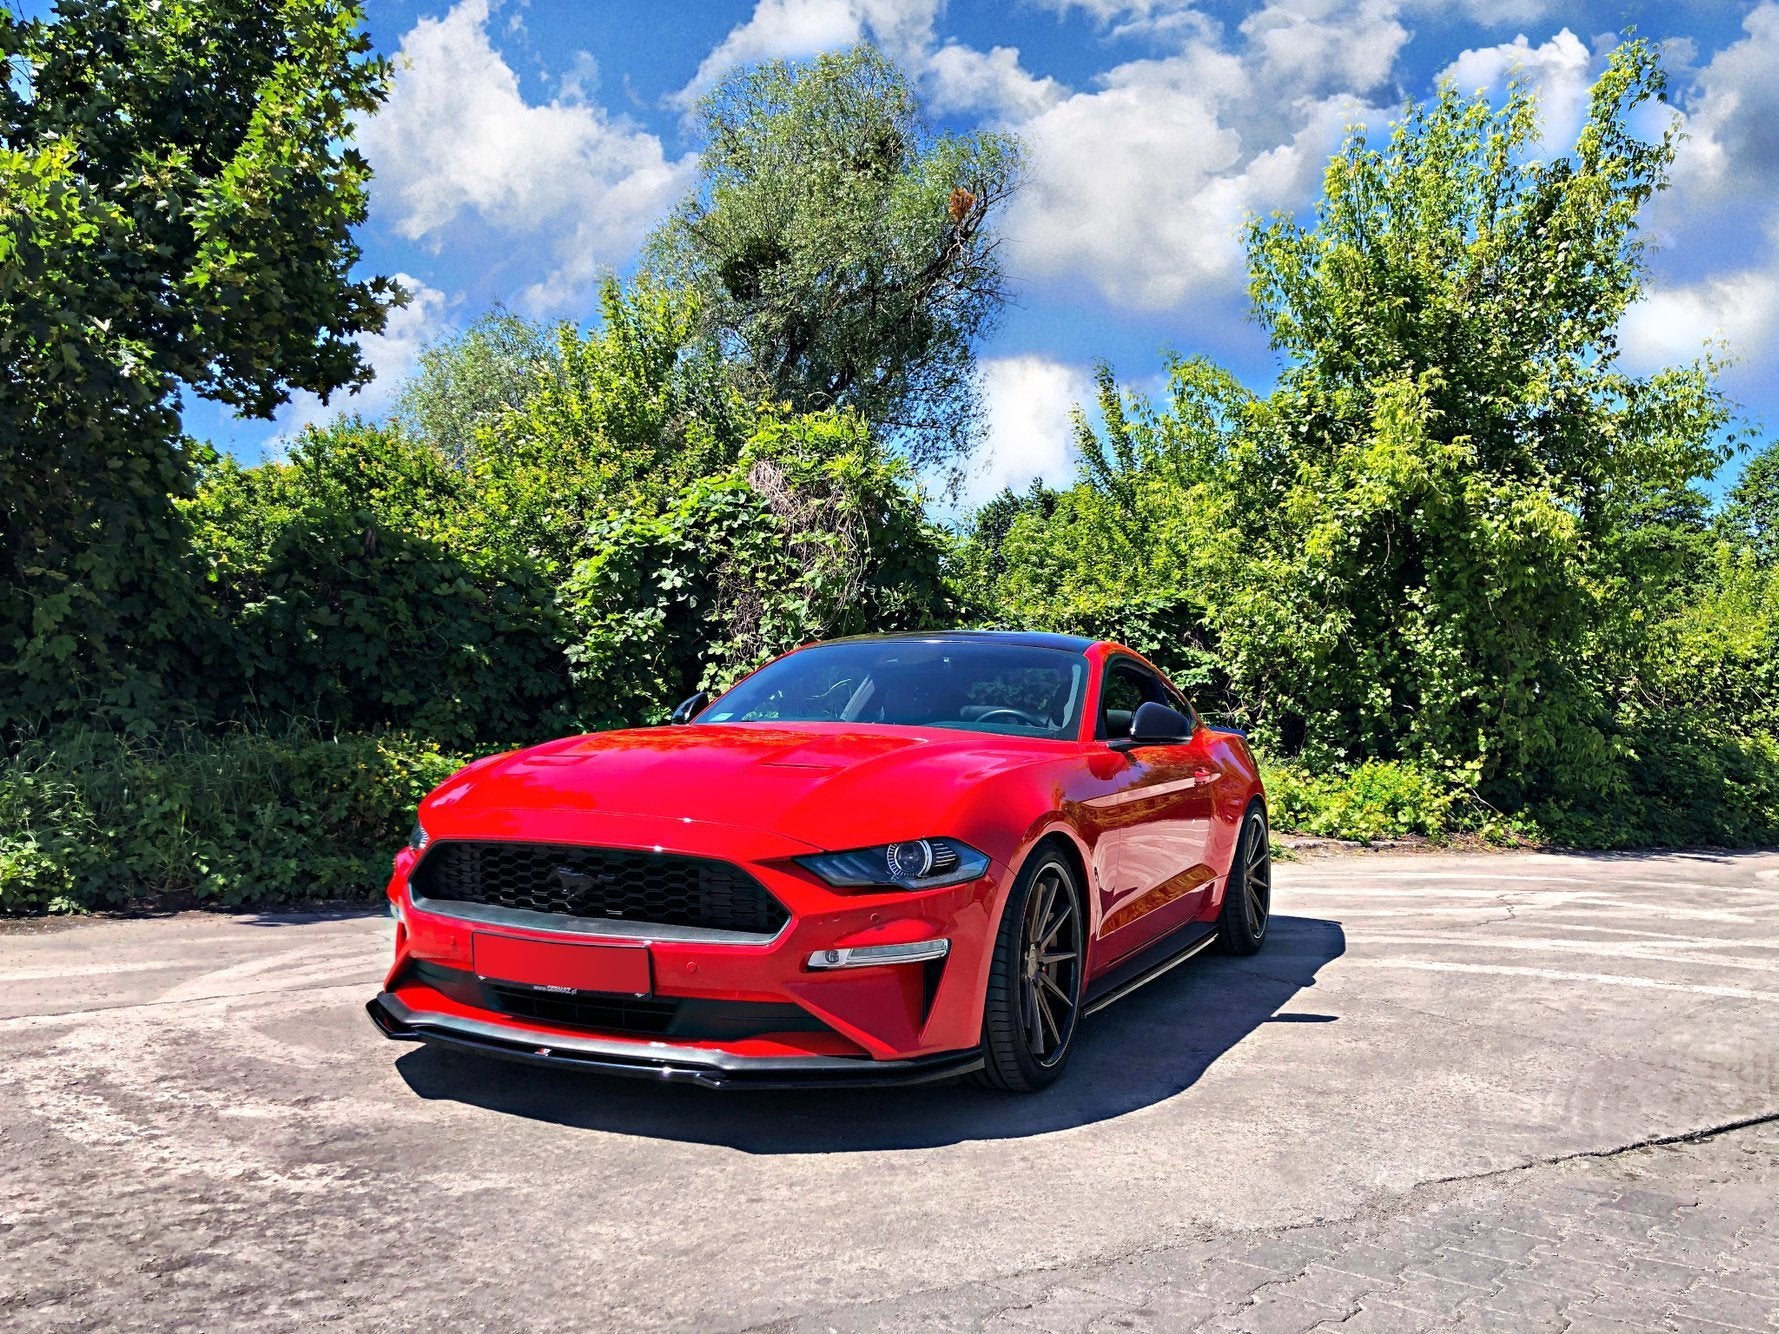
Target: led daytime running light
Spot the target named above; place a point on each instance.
(867, 956)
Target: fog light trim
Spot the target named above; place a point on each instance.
(870, 956)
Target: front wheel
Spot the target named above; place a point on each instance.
(1034, 984)
(1247, 897)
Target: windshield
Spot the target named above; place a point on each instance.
(971, 685)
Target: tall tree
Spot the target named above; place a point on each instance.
(842, 250)
(1750, 515)
(178, 213)
(468, 381)
(1446, 533)
(1474, 498)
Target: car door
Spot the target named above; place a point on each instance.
(1156, 816)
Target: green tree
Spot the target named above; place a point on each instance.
(177, 214)
(624, 417)
(841, 249)
(470, 380)
(1750, 515)
(1140, 548)
(810, 533)
(1469, 478)
(1450, 534)
(983, 555)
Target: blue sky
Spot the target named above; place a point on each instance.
(528, 147)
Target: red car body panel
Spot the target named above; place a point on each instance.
(1154, 830)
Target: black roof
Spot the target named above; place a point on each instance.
(1024, 638)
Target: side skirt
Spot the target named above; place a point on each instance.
(1148, 964)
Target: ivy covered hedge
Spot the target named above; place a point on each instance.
(93, 818)
(368, 612)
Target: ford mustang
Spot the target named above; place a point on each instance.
(889, 859)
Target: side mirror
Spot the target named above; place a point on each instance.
(1154, 725)
(689, 708)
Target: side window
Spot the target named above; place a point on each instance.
(1126, 686)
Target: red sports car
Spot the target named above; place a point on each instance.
(881, 860)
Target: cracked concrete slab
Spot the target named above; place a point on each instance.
(1413, 1110)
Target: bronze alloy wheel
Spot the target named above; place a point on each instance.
(1050, 966)
(1247, 896)
(1035, 979)
(1257, 875)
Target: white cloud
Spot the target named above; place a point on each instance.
(1313, 47)
(796, 29)
(1140, 188)
(1129, 191)
(1030, 433)
(391, 355)
(1287, 176)
(1739, 311)
(457, 138)
(1316, 45)
(961, 78)
(954, 78)
(1733, 146)
(1488, 13)
(1723, 206)
(582, 79)
(1123, 13)
(1561, 72)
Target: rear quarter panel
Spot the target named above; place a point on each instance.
(1237, 789)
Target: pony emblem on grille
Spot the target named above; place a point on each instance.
(583, 888)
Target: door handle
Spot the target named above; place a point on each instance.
(1202, 775)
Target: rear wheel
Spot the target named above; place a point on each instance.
(1247, 899)
(1034, 984)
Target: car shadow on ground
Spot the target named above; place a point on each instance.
(1139, 1052)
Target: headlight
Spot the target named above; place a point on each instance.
(419, 838)
(921, 863)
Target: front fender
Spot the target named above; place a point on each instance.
(1010, 814)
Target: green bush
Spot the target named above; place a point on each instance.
(1681, 784)
(92, 818)
(357, 584)
(813, 533)
(1376, 800)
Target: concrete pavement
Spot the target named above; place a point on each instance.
(1429, 1082)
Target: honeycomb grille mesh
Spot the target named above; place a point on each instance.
(612, 883)
(610, 1014)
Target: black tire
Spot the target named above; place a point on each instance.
(1039, 952)
(1247, 899)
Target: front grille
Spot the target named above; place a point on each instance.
(609, 1014)
(612, 883)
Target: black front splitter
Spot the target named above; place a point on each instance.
(661, 1062)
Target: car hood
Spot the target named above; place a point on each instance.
(822, 784)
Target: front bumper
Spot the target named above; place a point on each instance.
(730, 1010)
(659, 1061)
